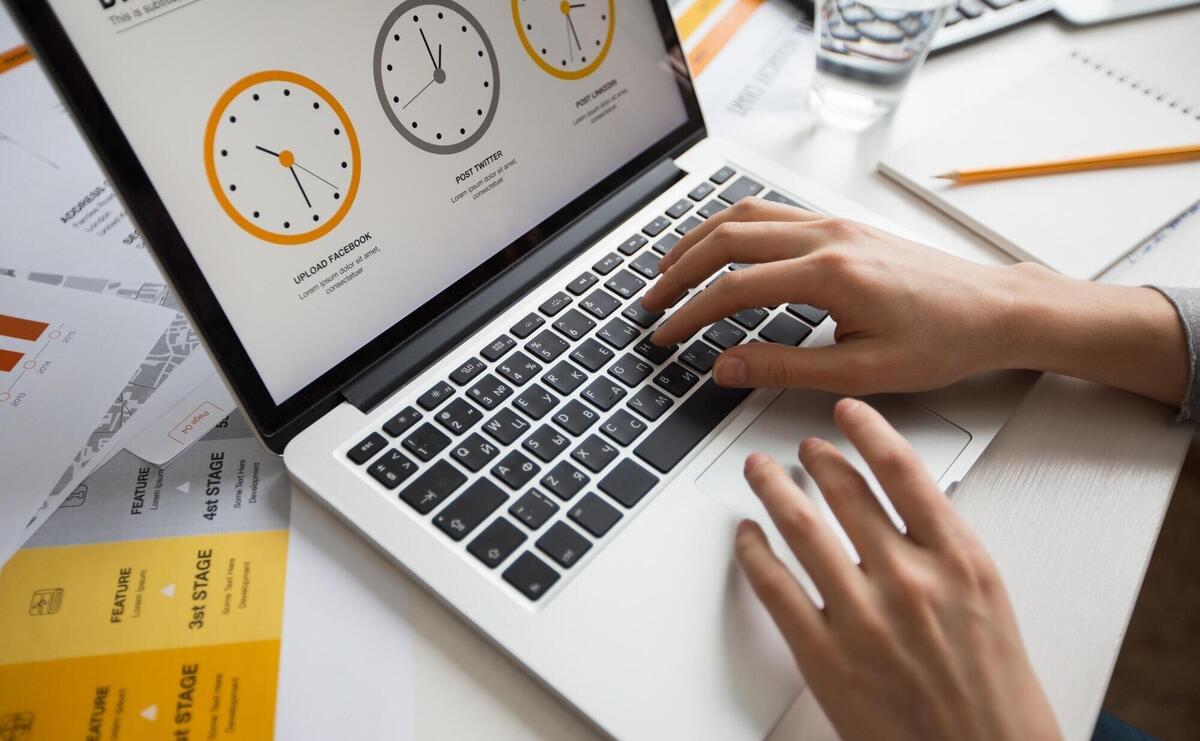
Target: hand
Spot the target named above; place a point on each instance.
(909, 317)
(920, 642)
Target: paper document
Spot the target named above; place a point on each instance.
(64, 356)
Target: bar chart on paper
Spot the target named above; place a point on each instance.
(18, 351)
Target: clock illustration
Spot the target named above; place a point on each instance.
(567, 38)
(282, 157)
(436, 75)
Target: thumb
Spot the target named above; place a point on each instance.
(838, 368)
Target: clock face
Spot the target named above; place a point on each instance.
(436, 75)
(282, 157)
(567, 38)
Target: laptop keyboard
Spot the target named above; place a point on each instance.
(534, 449)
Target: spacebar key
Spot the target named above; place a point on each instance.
(689, 424)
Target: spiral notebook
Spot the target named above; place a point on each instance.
(1079, 223)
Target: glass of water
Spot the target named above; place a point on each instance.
(867, 50)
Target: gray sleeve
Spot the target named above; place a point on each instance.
(1187, 303)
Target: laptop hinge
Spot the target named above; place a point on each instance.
(404, 362)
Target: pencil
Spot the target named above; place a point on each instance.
(1161, 156)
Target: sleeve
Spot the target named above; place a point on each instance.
(1187, 303)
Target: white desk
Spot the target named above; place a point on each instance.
(1068, 499)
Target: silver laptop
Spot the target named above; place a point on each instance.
(414, 237)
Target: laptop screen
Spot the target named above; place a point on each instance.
(333, 167)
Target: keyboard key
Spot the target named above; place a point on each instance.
(688, 224)
(575, 418)
(785, 330)
(433, 487)
(426, 441)
(632, 245)
(608, 263)
(646, 265)
(564, 480)
(630, 370)
(434, 397)
(594, 515)
(724, 335)
(712, 208)
(654, 353)
(458, 416)
(585, 281)
(600, 304)
(676, 379)
(496, 542)
(623, 427)
(506, 426)
(650, 403)
(810, 314)
(701, 191)
(547, 345)
(777, 197)
(604, 393)
(563, 544)
(466, 511)
(656, 227)
(688, 425)
(469, 370)
(750, 318)
(699, 357)
(592, 355)
(530, 576)
(499, 346)
(475, 452)
(489, 391)
(546, 443)
(639, 316)
(398, 425)
(536, 401)
(392, 468)
(679, 208)
(555, 304)
(533, 509)
(564, 377)
(743, 187)
(367, 449)
(664, 245)
(628, 483)
(515, 469)
(527, 326)
(625, 284)
(573, 325)
(618, 334)
(971, 8)
(594, 454)
(519, 368)
(720, 176)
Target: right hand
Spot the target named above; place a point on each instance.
(909, 317)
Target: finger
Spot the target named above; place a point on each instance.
(926, 512)
(798, 619)
(843, 368)
(850, 498)
(747, 209)
(734, 241)
(754, 287)
(836, 577)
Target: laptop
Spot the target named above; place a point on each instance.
(413, 236)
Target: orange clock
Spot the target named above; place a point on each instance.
(282, 157)
(567, 38)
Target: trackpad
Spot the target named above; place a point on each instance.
(797, 414)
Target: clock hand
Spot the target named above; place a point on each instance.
(570, 49)
(264, 149)
(318, 177)
(436, 66)
(571, 23)
(301, 187)
(439, 62)
(410, 100)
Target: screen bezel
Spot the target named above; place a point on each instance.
(62, 63)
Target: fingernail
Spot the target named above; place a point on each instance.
(809, 443)
(744, 527)
(731, 371)
(754, 460)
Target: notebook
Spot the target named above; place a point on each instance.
(1078, 223)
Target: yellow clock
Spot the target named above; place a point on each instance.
(282, 157)
(567, 38)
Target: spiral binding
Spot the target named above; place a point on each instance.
(1185, 107)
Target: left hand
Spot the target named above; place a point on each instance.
(918, 643)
